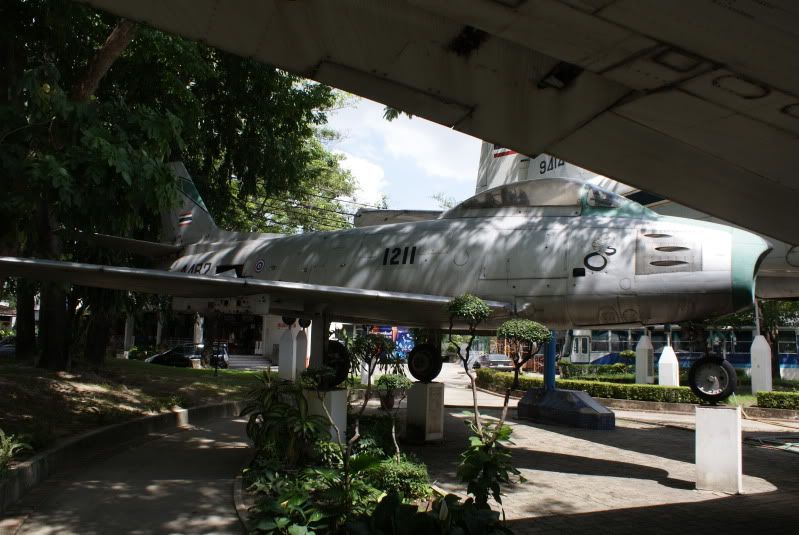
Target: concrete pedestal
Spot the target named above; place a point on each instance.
(761, 365)
(718, 449)
(199, 325)
(336, 403)
(644, 361)
(300, 352)
(425, 414)
(668, 368)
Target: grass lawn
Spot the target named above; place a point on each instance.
(42, 406)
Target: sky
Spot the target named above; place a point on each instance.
(408, 159)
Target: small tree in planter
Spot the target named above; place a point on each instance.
(389, 387)
(473, 311)
(523, 338)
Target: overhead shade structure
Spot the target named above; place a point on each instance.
(694, 100)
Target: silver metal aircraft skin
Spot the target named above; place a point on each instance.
(555, 250)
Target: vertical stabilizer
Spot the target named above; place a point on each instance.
(189, 221)
(499, 166)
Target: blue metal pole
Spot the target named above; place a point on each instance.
(550, 363)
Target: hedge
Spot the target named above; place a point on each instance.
(778, 400)
(670, 394)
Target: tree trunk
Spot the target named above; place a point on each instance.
(97, 336)
(116, 43)
(26, 320)
(53, 321)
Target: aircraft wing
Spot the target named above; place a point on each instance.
(284, 296)
(694, 100)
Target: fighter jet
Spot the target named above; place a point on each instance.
(559, 251)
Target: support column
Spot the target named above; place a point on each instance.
(319, 336)
(159, 328)
(199, 324)
(130, 338)
(550, 362)
(300, 350)
(287, 350)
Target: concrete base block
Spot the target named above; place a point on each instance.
(287, 368)
(336, 403)
(668, 368)
(425, 413)
(565, 407)
(718, 449)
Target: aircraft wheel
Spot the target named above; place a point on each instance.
(712, 379)
(338, 358)
(424, 362)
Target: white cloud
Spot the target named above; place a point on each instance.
(370, 176)
(436, 150)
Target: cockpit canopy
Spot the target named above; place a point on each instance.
(548, 197)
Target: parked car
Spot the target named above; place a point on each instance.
(181, 356)
(496, 361)
(8, 346)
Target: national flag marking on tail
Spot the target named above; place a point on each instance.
(184, 219)
(502, 151)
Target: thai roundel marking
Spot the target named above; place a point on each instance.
(259, 265)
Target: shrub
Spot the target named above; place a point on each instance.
(568, 370)
(778, 400)
(406, 477)
(670, 394)
(627, 354)
(9, 447)
(375, 435)
(392, 381)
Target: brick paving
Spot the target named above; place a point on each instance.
(636, 479)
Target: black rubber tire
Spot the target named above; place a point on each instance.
(338, 358)
(424, 362)
(724, 368)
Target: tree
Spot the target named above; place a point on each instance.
(91, 109)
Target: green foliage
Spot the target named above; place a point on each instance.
(524, 331)
(447, 516)
(392, 381)
(469, 308)
(366, 348)
(568, 369)
(627, 354)
(280, 424)
(492, 379)
(321, 378)
(778, 400)
(9, 447)
(407, 478)
(375, 435)
(486, 464)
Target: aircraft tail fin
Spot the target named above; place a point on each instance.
(189, 220)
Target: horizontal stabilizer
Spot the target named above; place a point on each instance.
(284, 296)
(373, 218)
(137, 247)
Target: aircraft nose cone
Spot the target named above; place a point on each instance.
(748, 251)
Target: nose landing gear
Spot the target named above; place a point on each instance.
(712, 379)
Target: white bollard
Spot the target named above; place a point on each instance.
(285, 356)
(761, 365)
(668, 368)
(719, 463)
(644, 361)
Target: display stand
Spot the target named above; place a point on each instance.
(336, 403)
(668, 368)
(718, 449)
(425, 414)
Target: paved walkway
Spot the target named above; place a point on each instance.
(178, 483)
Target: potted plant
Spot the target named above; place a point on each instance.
(389, 386)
